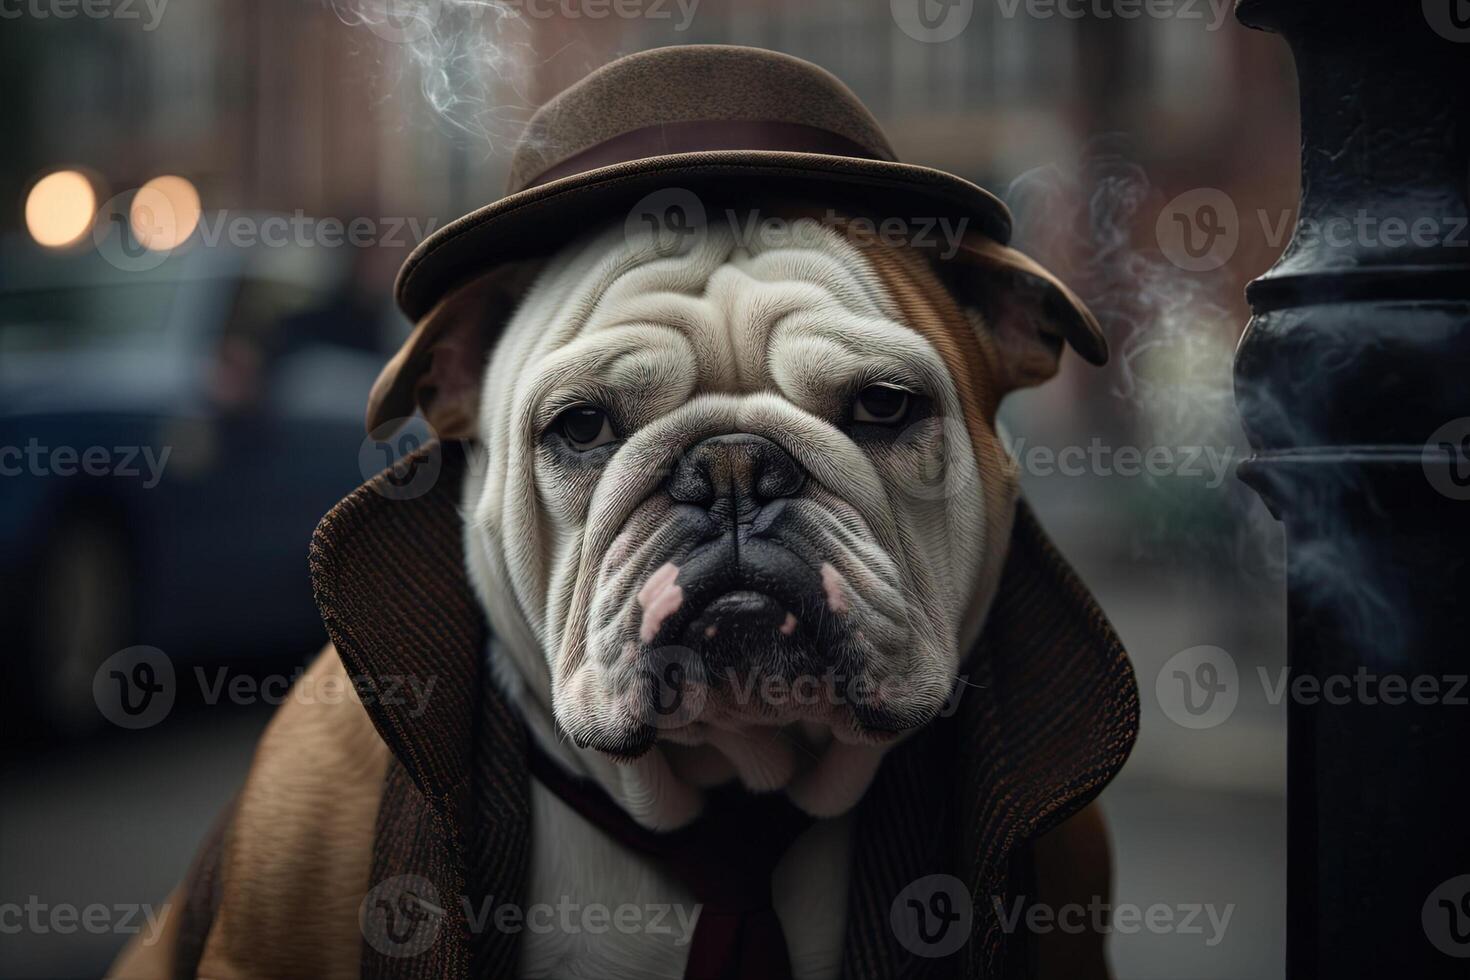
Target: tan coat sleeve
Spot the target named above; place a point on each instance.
(152, 957)
(295, 859)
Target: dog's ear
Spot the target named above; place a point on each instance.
(1023, 312)
(440, 368)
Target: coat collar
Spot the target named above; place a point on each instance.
(1047, 716)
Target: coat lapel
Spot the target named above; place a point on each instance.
(388, 574)
(1046, 717)
(1052, 721)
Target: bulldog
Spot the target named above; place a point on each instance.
(729, 524)
(733, 511)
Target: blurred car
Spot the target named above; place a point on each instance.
(168, 440)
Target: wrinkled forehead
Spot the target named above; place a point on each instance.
(716, 307)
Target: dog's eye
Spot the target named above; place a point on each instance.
(881, 403)
(585, 427)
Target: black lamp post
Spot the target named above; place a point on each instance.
(1353, 380)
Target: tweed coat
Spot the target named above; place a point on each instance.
(1045, 716)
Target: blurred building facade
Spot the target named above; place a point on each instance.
(330, 108)
(299, 104)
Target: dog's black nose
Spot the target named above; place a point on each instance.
(747, 470)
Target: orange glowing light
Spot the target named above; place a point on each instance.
(60, 208)
(164, 213)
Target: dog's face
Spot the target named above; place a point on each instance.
(739, 498)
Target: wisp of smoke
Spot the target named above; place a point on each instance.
(1171, 334)
(468, 57)
(1174, 341)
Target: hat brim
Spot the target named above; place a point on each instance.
(537, 221)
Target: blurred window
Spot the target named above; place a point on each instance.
(126, 316)
(261, 306)
(253, 340)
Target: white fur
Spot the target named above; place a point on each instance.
(572, 861)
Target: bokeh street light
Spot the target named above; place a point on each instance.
(164, 213)
(60, 208)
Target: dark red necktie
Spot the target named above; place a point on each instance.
(725, 858)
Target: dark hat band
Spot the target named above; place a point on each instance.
(701, 135)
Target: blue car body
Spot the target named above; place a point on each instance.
(188, 411)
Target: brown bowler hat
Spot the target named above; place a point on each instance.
(725, 122)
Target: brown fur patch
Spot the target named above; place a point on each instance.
(970, 357)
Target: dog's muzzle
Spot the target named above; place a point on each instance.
(749, 593)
